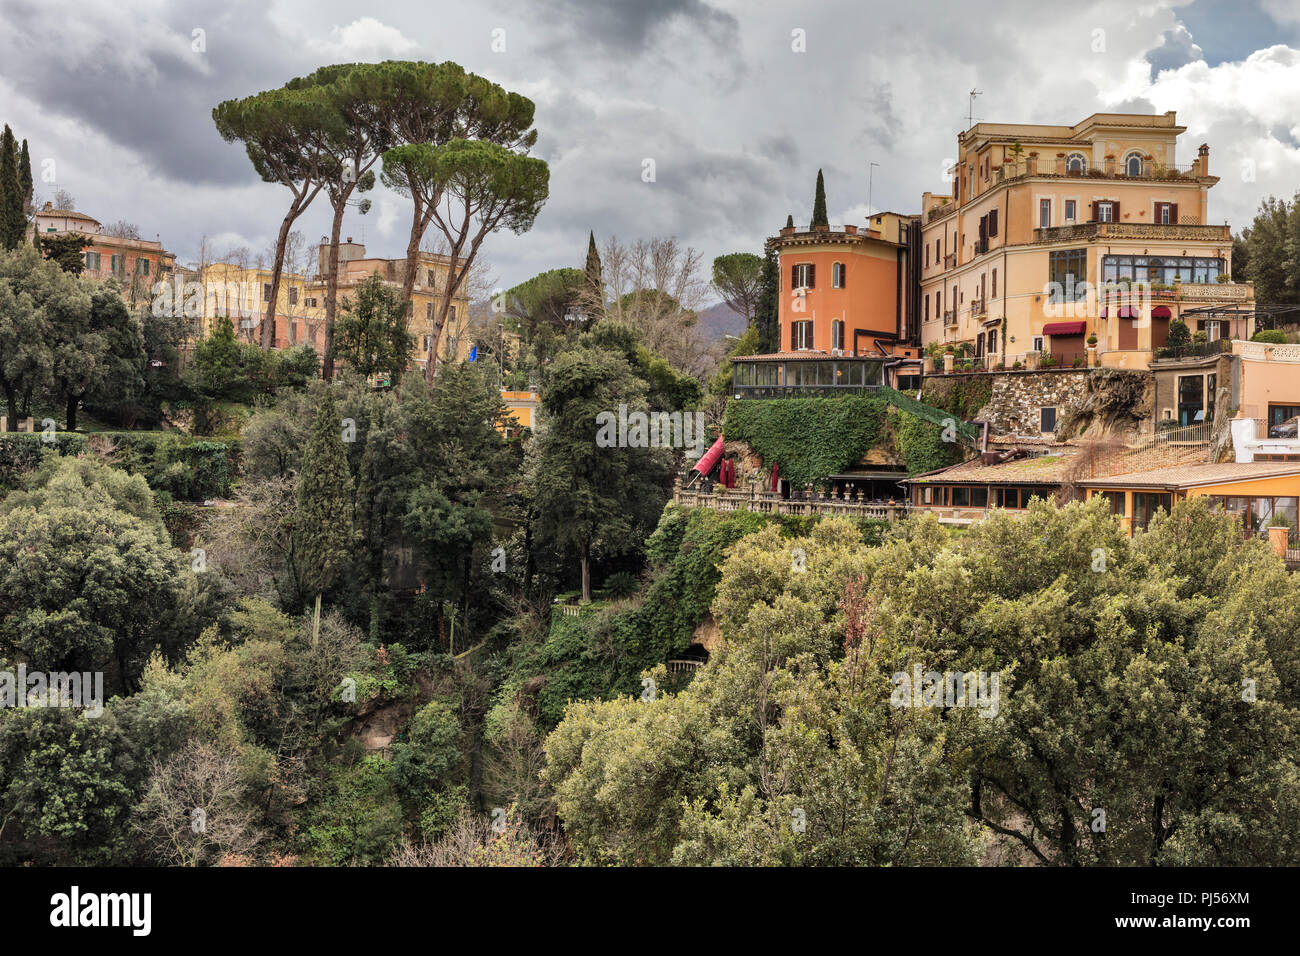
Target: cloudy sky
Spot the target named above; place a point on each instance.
(738, 102)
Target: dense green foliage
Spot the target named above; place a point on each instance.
(810, 438)
(1158, 685)
(767, 314)
(1265, 252)
(372, 335)
(181, 466)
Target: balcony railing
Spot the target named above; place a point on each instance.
(799, 391)
(950, 260)
(1197, 350)
(950, 318)
(978, 307)
(1130, 230)
(981, 246)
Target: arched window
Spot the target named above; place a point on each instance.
(1076, 163)
(1133, 164)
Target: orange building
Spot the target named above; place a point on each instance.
(137, 263)
(849, 311)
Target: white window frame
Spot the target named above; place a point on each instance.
(1037, 343)
(1109, 206)
(802, 270)
(1065, 210)
(1083, 162)
(804, 333)
(1050, 212)
(1131, 155)
(837, 275)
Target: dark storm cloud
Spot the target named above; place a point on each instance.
(631, 25)
(1177, 48)
(142, 85)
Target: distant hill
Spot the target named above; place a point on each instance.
(718, 320)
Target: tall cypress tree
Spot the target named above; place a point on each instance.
(25, 175)
(13, 221)
(323, 524)
(595, 282)
(767, 316)
(819, 203)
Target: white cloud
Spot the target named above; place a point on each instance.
(363, 39)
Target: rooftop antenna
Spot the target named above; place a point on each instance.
(871, 168)
(970, 109)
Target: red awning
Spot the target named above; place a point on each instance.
(1129, 312)
(710, 458)
(1064, 328)
(1160, 312)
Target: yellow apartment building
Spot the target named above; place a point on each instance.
(242, 293)
(1049, 234)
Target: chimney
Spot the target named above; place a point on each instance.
(1203, 157)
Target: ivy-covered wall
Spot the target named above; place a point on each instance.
(809, 438)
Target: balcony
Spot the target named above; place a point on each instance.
(1055, 167)
(1084, 231)
(978, 308)
(940, 211)
(981, 247)
(950, 260)
(950, 318)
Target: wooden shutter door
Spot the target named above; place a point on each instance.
(1173, 213)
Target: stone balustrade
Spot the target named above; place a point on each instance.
(735, 499)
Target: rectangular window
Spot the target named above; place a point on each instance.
(926, 299)
(293, 295)
(1038, 343)
(837, 275)
(994, 292)
(92, 261)
(993, 223)
(1044, 213)
(1070, 207)
(1105, 211)
(979, 497)
(266, 292)
(1116, 499)
(801, 275)
(1191, 399)
(1068, 270)
(1146, 504)
(142, 266)
(1047, 419)
(960, 497)
(428, 311)
(837, 334)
